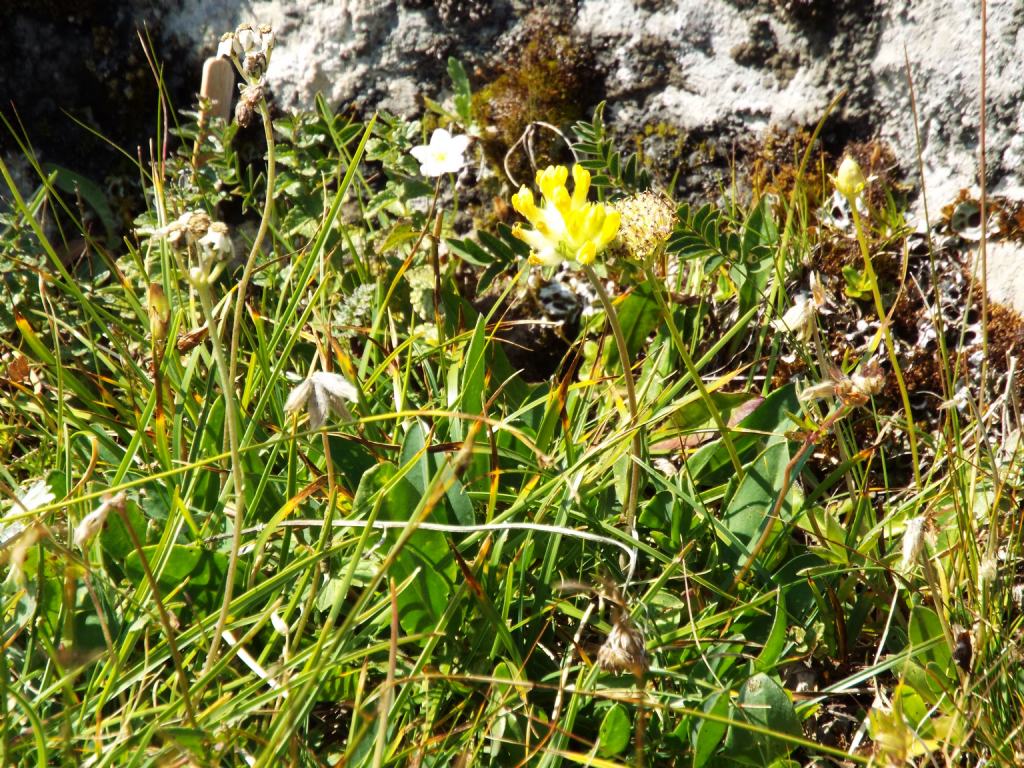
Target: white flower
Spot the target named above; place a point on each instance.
(799, 319)
(226, 46)
(217, 241)
(442, 155)
(38, 495)
(93, 523)
(913, 543)
(246, 38)
(321, 394)
(279, 624)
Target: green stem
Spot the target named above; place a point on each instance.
(627, 374)
(890, 348)
(229, 374)
(694, 374)
(231, 418)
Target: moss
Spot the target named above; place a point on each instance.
(549, 77)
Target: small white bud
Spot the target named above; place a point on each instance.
(93, 523)
(913, 543)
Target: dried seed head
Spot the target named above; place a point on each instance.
(647, 221)
(322, 394)
(868, 380)
(243, 114)
(625, 649)
(254, 65)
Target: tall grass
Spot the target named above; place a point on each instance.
(454, 575)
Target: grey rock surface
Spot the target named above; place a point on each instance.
(726, 69)
(714, 66)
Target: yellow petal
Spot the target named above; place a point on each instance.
(581, 185)
(587, 253)
(609, 227)
(550, 179)
(522, 201)
(562, 202)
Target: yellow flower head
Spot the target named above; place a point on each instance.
(849, 179)
(565, 227)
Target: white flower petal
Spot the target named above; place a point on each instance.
(317, 405)
(422, 153)
(91, 525)
(440, 137)
(297, 397)
(459, 144)
(37, 496)
(337, 385)
(279, 624)
(444, 153)
(226, 46)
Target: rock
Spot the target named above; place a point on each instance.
(717, 70)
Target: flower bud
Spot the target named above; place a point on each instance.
(159, 313)
(93, 523)
(913, 543)
(849, 178)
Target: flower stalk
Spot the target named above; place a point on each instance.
(850, 182)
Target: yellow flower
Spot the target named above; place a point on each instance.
(565, 227)
(849, 179)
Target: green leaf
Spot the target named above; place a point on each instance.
(710, 732)
(474, 370)
(202, 572)
(762, 702)
(858, 286)
(772, 650)
(426, 554)
(615, 730)
(463, 93)
(748, 510)
(114, 537)
(75, 184)
(770, 418)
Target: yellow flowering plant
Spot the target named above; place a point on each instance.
(566, 227)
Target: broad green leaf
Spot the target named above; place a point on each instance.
(709, 733)
(639, 314)
(615, 731)
(748, 510)
(427, 554)
(463, 93)
(200, 571)
(762, 702)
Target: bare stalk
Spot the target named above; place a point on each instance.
(627, 375)
(229, 374)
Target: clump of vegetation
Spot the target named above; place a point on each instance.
(548, 77)
(292, 477)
